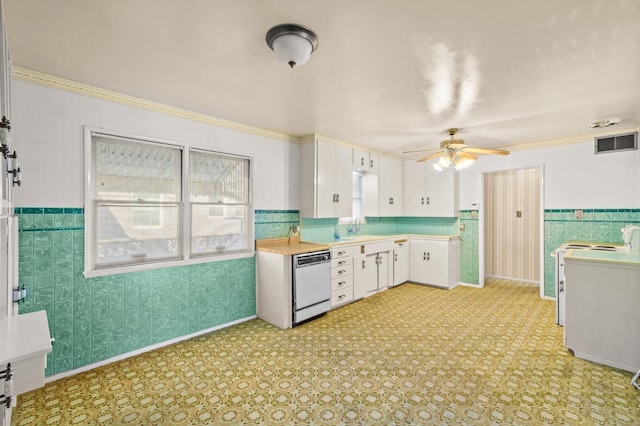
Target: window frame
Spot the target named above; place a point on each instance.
(184, 228)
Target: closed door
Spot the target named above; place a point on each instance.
(512, 224)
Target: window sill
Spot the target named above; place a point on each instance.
(160, 265)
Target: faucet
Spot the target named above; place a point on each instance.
(356, 226)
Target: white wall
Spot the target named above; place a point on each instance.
(574, 177)
(47, 127)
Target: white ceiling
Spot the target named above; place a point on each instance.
(390, 75)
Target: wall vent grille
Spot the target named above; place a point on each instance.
(613, 143)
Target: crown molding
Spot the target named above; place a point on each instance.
(585, 138)
(47, 80)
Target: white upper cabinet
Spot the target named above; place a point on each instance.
(326, 179)
(365, 161)
(390, 191)
(429, 192)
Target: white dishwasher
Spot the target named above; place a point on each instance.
(311, 285)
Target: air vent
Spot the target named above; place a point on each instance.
(623, 142)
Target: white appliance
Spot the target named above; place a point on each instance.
(631, 238)
(311, 285)
(559, 276)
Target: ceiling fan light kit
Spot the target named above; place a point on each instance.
(455, 151)
(292, 44)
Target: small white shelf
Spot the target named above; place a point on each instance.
(25, 343)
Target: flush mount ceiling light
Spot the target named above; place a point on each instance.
(292, 43)
(605, 123)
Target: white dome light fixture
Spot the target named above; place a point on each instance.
(292, 44)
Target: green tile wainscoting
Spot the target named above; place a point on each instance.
(94, 319)
(560, 225)
(597, 225)
(275, 223)
(469, 263)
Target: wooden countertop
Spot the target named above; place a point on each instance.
(285, 247)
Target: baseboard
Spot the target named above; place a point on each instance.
(143, 350)
(520, 280)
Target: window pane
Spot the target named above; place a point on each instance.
(218, 178)
(136, 171)
(137, 233)
(218, 228)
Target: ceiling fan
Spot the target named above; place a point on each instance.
(455, 151)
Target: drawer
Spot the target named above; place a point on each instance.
(348, 251)
(341, 297)
(341, 261)
(341, 272)
(338, 284)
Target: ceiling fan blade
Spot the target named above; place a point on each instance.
(487, 151)
(467, 155)
(429, 157)
(420, 150)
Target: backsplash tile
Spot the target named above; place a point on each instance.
(275, 223)
(98, 318)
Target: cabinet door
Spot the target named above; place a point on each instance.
(418, 261)
(326, 179)
(437, 263)
(384, 271)
(365, 275)
(401, 264)
(343, 175)
(415, 188)
(390, 187)
(374, 163)
(360, 159)
(429, 262)
(442, 192)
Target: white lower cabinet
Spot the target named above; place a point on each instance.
(435, 262)
(342, 275)
(372, 269)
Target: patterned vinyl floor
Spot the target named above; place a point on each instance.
(409, 355)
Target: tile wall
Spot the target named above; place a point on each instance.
(98, 318)
(275, 223)
(324, 229)
(560, 225)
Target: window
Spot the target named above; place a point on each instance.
(150, 202)
(219, 203)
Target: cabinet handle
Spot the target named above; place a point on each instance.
(371, 164)
(334, 198)
(342, 262)
(561, 286)
(390, 200)
(362, 161)
(428, 201)
(422, 201)
(341, 271)
(395, 257)
(363, 264)
(428, 256)
(337, 198)
(342, 296)
(424, 256)
(340, 253)
(341, 283)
